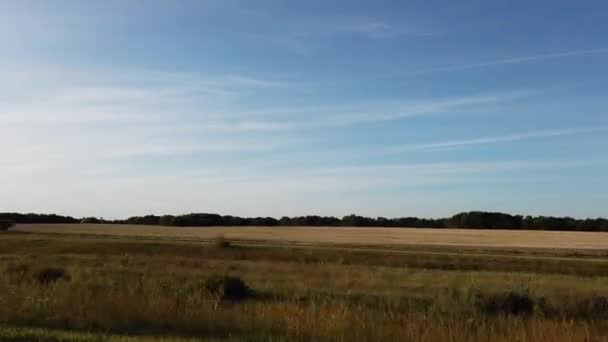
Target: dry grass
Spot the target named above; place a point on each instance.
(20, 334)
(148, 288)
(414, 257)
(140, 294)
(346, 235)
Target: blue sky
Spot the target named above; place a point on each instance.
(381, 108)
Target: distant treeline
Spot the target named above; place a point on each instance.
(36, 218)
(471, 220)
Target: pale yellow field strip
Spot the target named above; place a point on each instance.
(347, 235)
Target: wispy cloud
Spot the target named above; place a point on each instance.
(516, 137)
(515, 60)
(305, 117)
(416, 109)
(68, 95)
(305, 37)
(204, 103)
(376, 29)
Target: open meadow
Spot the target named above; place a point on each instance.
(137, 283)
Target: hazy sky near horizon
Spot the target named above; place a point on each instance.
(381, 108)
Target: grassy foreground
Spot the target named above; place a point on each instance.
(16, 334)
(107, 290)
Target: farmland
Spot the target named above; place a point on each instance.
(344, 235)
(137, 283)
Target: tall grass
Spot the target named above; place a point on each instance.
(322, 299)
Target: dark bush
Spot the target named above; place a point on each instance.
(595, 307)
(509, 303)
(48, 276)
(228, 288)
(6, 224)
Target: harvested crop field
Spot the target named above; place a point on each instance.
(344, 235)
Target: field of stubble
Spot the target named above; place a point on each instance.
(345, 235)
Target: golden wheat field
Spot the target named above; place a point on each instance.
(344, 235)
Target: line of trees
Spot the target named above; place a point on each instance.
(470, 220)
(36, 218)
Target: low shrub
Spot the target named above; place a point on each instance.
(6, 224)
(228, 288)
(594, 307)
(50, 275)
(510, 303)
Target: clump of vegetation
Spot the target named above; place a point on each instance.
(221, 242)
(228, 288)
(6, 224)
(51, 275)
(512, 303)
(594, 307)
(17, 272)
